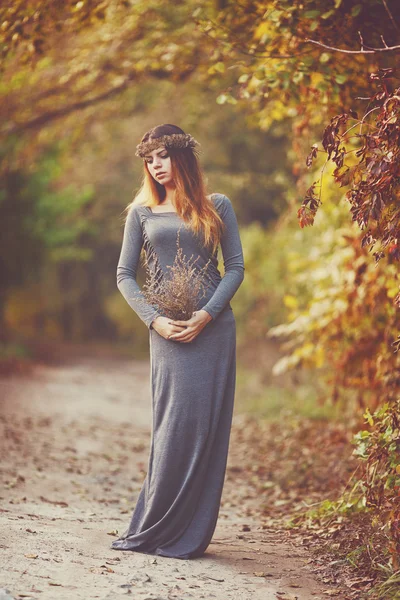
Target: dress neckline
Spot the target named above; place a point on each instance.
(163, 212)
(166, 212)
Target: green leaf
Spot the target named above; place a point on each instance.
(312, 14)
(308, 60)
(218, 67)
(297, 77)
(260, 74)
(325, 56)
(340, 78)
(231, 100)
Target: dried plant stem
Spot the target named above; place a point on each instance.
(175, 295)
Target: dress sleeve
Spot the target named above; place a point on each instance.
(232, 253)
(132, 244)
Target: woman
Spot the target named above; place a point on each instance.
(193, 362)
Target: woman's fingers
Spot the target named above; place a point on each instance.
(180, 323)
(183, 331)
(191, 335)
(182, 335)
(187, 339)
(177, 329)
(175, 336)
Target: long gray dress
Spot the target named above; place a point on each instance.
(192, 387)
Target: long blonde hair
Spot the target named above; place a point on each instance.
(191, 201)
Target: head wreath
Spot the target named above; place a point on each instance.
(173, 140)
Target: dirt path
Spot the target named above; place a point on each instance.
(74, 445)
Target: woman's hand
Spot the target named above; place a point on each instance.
(163, 326)
(192, 326)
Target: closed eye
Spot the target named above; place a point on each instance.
(149, 160)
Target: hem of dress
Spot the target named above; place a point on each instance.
(159, 552)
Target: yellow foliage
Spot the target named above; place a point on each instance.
(316, 78)
(367, 415)
(26, 312)
(290, 301)
(117, 309)
(22, 308)
(263, 29)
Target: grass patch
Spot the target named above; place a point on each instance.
(14, 350)
(15, 357)
(257, 396)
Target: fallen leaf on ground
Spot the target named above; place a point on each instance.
(112, 561)
(108, 569)
(213, 578)
(57, 502)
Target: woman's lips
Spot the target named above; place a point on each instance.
(160, 175)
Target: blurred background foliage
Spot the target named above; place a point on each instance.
(67, 210)
(256, 83)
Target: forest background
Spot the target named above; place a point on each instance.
(296, 106)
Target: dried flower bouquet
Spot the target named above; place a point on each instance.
(175, 295)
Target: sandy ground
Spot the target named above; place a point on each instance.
(74, 447)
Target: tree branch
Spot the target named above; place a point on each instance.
(390, 15)
(64, 111)
(237, 44)
(362, 51)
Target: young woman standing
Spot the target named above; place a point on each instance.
(193, 362)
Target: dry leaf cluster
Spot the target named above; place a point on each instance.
(175, 294)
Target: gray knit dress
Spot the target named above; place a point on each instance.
(192, 389)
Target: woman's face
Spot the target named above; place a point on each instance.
(159, 165)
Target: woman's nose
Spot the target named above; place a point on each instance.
(157, 161)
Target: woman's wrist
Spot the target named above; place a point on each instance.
(153, 321)
(206, 314)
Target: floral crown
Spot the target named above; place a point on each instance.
(173, 140)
